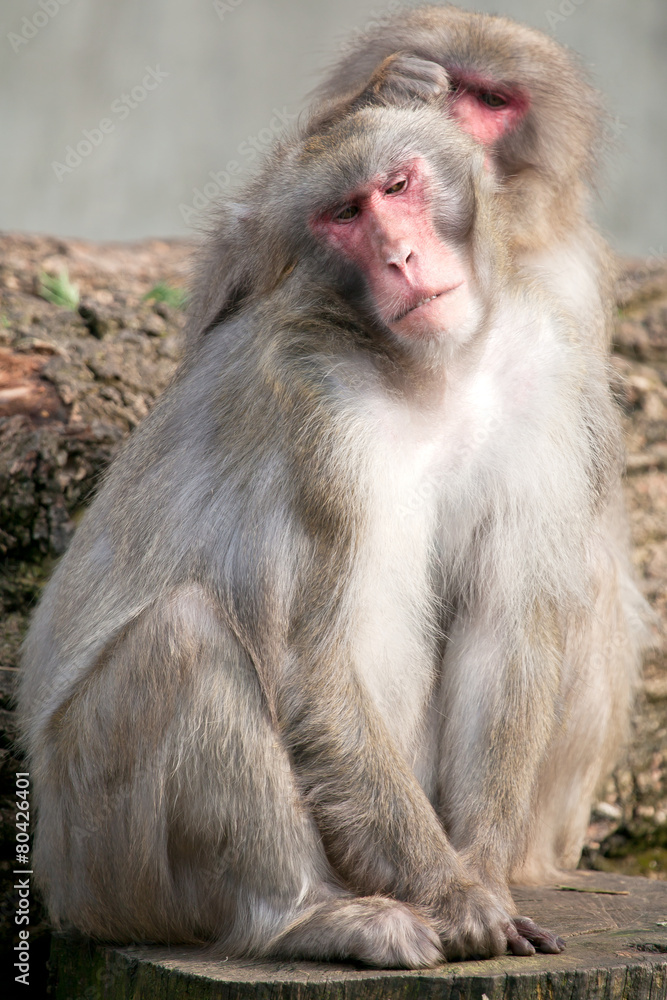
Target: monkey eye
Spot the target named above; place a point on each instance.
(493, 100)
(347, 214)
(398, 186)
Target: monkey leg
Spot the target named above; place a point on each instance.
(601, 668)
(169, 809)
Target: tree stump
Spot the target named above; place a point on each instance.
(615, 928)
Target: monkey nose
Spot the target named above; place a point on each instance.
(398, 255)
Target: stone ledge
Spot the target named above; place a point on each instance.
(616, 950)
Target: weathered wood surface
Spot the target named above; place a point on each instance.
(616, 950)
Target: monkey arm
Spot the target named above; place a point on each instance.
(502, 704)
(379, 830)
(378, 827)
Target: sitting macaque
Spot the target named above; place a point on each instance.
(314, 679)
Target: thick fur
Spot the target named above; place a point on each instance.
(315, 677)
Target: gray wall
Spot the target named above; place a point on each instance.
(223, 82)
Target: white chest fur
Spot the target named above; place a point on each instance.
(439, 470)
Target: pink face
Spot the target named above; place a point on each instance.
(484, 110)
(418, 284)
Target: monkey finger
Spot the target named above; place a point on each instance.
(517, 943)
(422, 69)
(542, 939)
(418, 77)
(415, 89)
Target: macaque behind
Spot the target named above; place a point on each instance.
(314, 678)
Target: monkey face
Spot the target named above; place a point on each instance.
(419, 285)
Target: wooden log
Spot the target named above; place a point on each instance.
(615, 929)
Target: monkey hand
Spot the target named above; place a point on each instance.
(473, 922)
(403, 77)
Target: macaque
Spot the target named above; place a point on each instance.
(315, 677)
(528, 105)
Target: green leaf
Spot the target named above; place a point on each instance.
(162, 292)
(60, 291)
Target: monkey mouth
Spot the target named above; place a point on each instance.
(422, 302)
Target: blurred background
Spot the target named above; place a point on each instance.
(120, 118)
